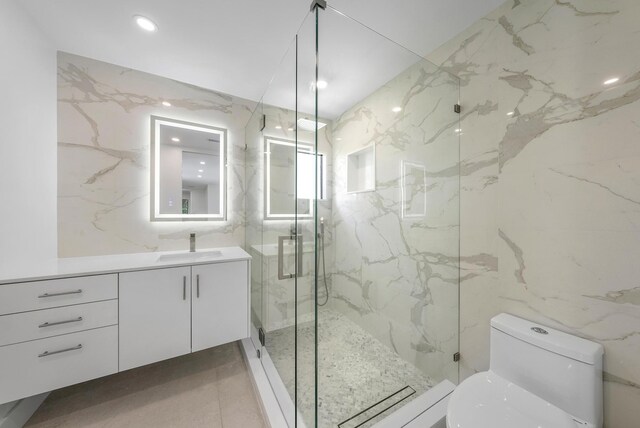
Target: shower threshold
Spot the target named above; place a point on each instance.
(377, 409)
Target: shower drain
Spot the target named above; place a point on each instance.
(377, 408)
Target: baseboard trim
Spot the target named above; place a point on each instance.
(21, 411)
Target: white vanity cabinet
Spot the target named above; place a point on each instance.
(220, 311)
(54, 333)
(87, 317)
(165, 313)
(155, 315)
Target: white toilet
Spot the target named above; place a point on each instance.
(538, 378)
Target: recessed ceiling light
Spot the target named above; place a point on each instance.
(175, 139)
(396, 109)
(611, 81)
(278, 127)
(201, 170)
(322, 84)
(457, 131)
(309, 125)
(166, 103)
(289, 129)
(338, 139)
(145, 23)
(202, 162)
(510, 113)
(199, 176)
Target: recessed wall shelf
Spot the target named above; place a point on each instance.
(361, 170)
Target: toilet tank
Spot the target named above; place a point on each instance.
(560, 368)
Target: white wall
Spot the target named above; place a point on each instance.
(213, 198)
(27, 144)
(170, 180)
(198, 200)
(27, 139)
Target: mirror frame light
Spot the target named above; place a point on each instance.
(301, 146)
(156, 122)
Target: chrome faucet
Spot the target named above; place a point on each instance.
(192, 243)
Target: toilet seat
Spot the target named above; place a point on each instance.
(486, 400)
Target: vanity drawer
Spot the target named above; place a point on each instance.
(32, 325)
(30, 296)
(38, 366)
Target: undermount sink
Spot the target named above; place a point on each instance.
(188, 256)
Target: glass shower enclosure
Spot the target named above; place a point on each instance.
(352, 201)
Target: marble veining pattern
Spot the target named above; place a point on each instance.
(397, 275)
(103, 158)
(549, 186)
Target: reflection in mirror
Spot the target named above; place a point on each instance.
(281, 179)
(188, 171)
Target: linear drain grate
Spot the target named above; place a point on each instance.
(378, 408)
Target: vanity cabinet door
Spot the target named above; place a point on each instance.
(220, 307)
(155, 315)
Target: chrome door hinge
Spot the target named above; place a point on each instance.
(456, 357)
(258, 353)
(456, 108)
(261, 336)
(322, 4)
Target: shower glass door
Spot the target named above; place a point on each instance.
(281, 205)
(353, 199)
(389, 330)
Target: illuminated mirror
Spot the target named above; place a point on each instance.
(280, 179)
(188, 177)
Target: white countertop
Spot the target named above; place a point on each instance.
(80, 266)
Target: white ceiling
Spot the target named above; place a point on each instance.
(235, 46)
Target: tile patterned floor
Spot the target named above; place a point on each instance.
(211, 388)
(355, 369)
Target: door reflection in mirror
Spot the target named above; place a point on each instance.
(188, 170)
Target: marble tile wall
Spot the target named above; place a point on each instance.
(550, 187)
(103, 158)
(396, 271)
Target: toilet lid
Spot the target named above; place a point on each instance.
(486, 400)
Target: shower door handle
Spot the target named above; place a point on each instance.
(299, 240)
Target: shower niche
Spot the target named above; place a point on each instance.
(361, 170)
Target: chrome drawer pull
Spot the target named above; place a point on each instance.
(184, 288)
(47, 353)
(198, 286)
(64, 293)
(49, 324)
